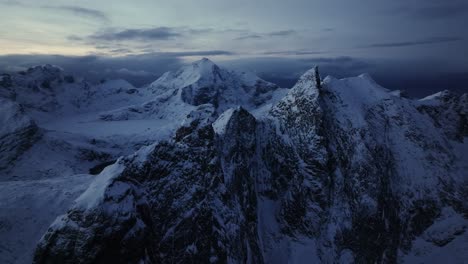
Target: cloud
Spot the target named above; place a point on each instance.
(412, 76)
(293, 67)
(282, 33)
(81, 11)
(428, 41)
(126, 71)
(195, 53)
(292, 52)
(197, 31)
(433, 9)
(137, 69)
(252, 36)
(11, 3)
(149, 52)
(441, 11)
(121, 50)
(150, 34)
(74, 38)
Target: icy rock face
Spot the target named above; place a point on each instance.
(36, 87)
(295, 156)
(200, 202)
(39, 77)
(449, 112)
(109, 223)
(5, 87)
(343, 170)
(17, 132)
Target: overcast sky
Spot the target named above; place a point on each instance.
(145, 37)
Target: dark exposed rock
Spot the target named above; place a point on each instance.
(18, 132)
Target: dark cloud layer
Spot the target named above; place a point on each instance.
(156, 33)
(292, 52)
(282, 33)
(247, 37)
(413, 76)
(137, 69)
(11, 3)
(194, 53)
(433, 9)
(434, 40)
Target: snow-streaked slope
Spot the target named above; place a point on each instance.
(378, 158)
(337, 171)
(448, 112)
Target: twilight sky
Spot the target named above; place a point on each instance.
(403, 43)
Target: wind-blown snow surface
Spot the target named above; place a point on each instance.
(332, 171)
(28, 207)
(57, 128)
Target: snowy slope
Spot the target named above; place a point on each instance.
(47, 92)
(336, 171)
(443, 242)
(28, 207)
(67, 109)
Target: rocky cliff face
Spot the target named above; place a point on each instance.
(17, 133)
(449, 113)
(198, 201)
(337, 171)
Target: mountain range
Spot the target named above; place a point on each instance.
(210, 165)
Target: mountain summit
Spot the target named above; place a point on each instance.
(204, 82)
(176, 93)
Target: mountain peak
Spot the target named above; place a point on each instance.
(203, 72)
(311, 76)
(205, 60)
(204, 66)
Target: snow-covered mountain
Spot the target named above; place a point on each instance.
(175, 94)
(234, 169)
(47, 92)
